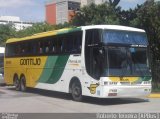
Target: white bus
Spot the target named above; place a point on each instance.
(104, 61)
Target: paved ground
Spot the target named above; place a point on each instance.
(40, 101)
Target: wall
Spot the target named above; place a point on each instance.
(51, 13)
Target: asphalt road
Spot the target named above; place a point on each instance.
(41, 101)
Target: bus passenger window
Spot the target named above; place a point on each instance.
(47, 46)
(29, 48)
(11, 50)
(53, 48)
(78, 44)
(40, 48)
(59, 46)
(23, 48)
(50, 47)
(18, 50)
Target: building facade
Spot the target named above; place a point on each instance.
(87, 2)
(61, 11)
(15, 21)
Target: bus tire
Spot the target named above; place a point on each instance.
(76, 91)
(23, 84)
(16, 83)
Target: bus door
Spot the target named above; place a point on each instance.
(94, 61)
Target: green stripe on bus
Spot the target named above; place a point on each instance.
(145, 78)
(68, 31)
(47, 71)
(58, 69)
(53, 69)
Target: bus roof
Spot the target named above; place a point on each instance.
(112, 27)
(44, 34)
(68, 30)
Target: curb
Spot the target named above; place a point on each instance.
(154, 96)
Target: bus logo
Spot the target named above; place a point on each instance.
(30, 61)
(93, 87)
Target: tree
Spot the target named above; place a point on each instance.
(38, 28)
(127, 16)
(96, 14)
(6, 32)
(148, 18)
(114, 2)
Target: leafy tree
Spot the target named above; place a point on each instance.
(6, 32)
(148, 18)
(96, 14)
(114, 2)
(38, 28)
(127, 16)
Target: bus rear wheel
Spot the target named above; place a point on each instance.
(17, 83)
(77, 91)
(23, 83)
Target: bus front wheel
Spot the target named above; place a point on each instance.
(77, 91)
(23, 83)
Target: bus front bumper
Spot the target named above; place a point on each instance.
(125, 91)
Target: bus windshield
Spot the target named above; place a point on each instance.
(120, 53)
(126, 61)
(126, 53)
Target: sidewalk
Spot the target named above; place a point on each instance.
(154, 95)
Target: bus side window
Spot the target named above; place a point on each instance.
(74, 43)
(62, 47)
(40, 50)
(59, 45)
(69, 44)
(78, 43)
(18, 49)
(43, 47)
(47, 44)
(53, 46)
(49, 47)
(10, 50)
(23, 48)
(28, 48)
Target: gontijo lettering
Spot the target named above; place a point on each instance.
(30, 61)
